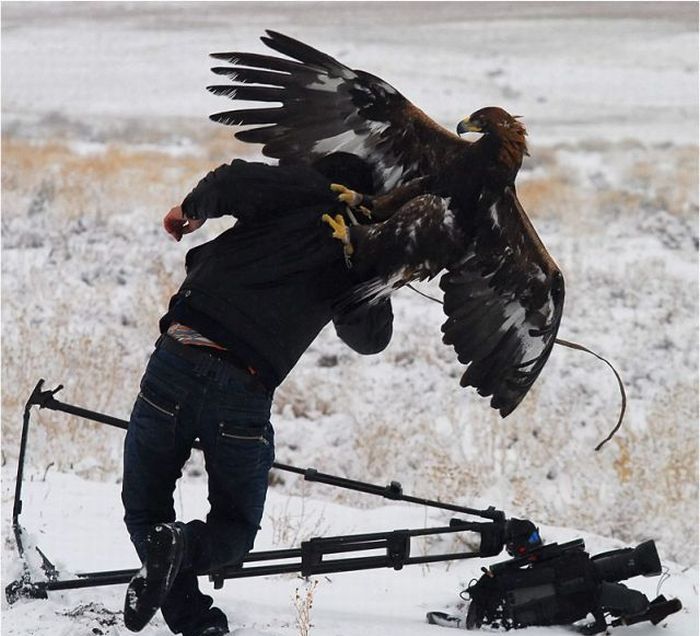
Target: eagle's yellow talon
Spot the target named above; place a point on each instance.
(340, 230)
(346, 195)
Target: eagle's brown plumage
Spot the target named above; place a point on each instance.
(449, 204)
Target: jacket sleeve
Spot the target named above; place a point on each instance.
(249, 190)
(367, 328)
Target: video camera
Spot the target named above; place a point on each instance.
(562, 584)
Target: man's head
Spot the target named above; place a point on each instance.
(348, 170)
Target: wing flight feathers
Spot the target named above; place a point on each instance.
(328, 107)
(504, 302)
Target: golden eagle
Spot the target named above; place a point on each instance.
(444, 204)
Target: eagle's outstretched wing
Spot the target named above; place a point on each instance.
(504, 302)
(328, 107)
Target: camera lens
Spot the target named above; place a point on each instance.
(619, 565)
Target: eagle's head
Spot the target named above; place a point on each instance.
(492, 120)
(496, 122)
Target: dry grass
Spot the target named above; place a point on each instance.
(549, 195)
(293, 523)
(672, 180)
(103, 181)
(303, 604)
(658, 178)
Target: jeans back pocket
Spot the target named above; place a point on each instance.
(235, 431)
(154, 418)
(243, 448)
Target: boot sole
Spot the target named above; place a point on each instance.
(148, 589)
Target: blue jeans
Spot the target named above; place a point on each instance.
(182, 400)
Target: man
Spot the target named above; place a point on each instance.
(253, 300)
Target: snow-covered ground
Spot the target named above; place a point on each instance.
(104, 128)
(374, 603)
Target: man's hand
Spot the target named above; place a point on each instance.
(176, 223)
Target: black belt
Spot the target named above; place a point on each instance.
(197, 353)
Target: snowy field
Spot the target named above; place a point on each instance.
(104, 128)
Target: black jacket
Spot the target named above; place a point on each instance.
(267, 286)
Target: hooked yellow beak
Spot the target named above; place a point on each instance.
(466, 126)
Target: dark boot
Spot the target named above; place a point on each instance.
(165, 547)
(210, 623)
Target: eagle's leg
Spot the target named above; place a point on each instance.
(340, 231)
(351, 198)
(384, 206)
